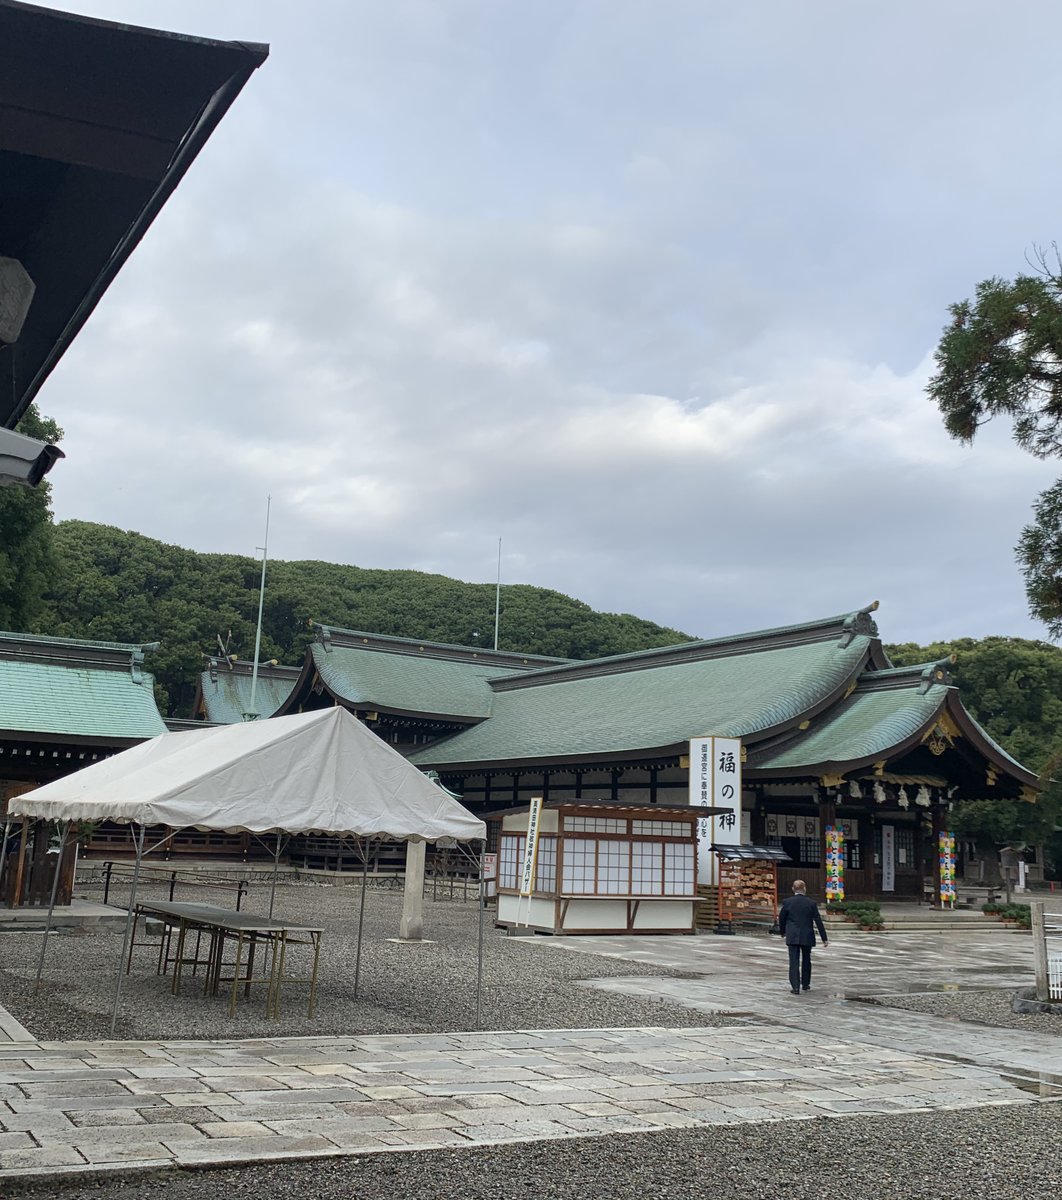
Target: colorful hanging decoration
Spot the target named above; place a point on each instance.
(834, 863)
(947, 869)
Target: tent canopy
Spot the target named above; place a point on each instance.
(315, 772)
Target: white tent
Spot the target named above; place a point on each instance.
(315, 772)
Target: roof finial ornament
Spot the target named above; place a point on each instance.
(937, 672)
(860, 624)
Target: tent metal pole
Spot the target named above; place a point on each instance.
(138, 841)
(65, 825)
(361, 912)
(276, 867)
(482, 913)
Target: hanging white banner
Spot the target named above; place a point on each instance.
(715, 782)
(527, 870)
(888, 858)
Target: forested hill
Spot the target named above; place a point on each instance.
(112, 585)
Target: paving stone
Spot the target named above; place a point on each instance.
(51, 1157)
(428, 1120)
(71, 1103)
(107, 1116)
(304, 1096)
(330, 1126)
(120, 1135)
(274, 1112)
(242, 1082)
(70, 1088)
(31, 1122)
(233, 1129)
(393, 1092)
(195, 1099)
(249, 1149)
(166, 1086)
(15, 1141)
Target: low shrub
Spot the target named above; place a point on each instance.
(864, 913)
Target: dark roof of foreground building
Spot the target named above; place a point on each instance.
(98, 124)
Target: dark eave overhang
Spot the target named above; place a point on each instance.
(98, 124)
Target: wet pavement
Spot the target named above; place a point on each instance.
(748, 975)
(81, 1106)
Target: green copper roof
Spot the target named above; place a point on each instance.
(226, 694)
(874, 720)
(887, 711)
(404, 675)
(59, 686)
(735, 686)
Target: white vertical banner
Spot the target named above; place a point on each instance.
(527, 868)
(715, 782)
(888, 858)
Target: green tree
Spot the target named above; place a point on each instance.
(26, 559)
(1001, 355)
(114, 585)
(1013, 686)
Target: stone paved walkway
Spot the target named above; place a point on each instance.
(748, 974)
(81, 1106)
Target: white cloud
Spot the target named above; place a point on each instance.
(651, 296)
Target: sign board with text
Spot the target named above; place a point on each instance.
(715, 782)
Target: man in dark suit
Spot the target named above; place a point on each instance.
(797, 921)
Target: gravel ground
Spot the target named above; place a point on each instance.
(1002, 1153)
(411, 988)
(990, 1007)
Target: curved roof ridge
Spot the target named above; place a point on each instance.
(926, 675)
(324, 634)
(845, 626)
(40, 639)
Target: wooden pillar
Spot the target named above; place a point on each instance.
(411, 928)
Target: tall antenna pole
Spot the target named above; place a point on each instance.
(252, 713)
(497, 598)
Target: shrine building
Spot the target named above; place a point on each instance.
(832, 733)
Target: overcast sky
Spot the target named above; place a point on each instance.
(648, 289)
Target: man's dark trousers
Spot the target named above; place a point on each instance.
(799, 967)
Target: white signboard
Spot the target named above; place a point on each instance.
(715, 782)
(888, 858)
(489, 870)
(527, 870)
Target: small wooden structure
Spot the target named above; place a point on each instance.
(601, 868)
(748, 884)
